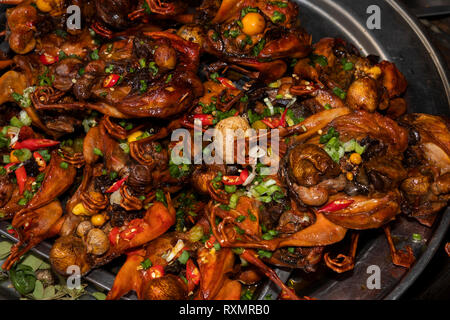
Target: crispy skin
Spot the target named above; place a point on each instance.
(366, 212)
(361, 124)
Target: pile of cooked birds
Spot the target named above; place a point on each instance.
(87, 156)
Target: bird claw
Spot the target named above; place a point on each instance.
(403, 258)
(341, 263)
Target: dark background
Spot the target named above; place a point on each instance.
(434, 282)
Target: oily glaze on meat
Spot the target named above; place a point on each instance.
(88, 156)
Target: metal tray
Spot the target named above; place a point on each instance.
(403, 41)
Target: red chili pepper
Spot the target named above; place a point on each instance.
(114, 236)
(21, 176)
(47, 59)
(40, 161)
(235, 180)
(111, 80)
(271, 123)
(192, 275)
(210, 242)
(336, 205)
(283, 118)
(155, 272)
(12, 232)
(206, 119)
(35, 144)
(226, 82)
(116, 186)
(132, 230)
(231, 180)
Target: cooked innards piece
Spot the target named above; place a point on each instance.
(91, 151)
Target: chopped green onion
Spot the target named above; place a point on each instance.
(153, 68)
(230, 189)
(339, 92)
(346, 65)
(319, 59)
(125, 147)
(94, 55)
(233, 200)
(24, 118)
(143, 86)
(264, 254)
(22, 154)
(278, 17)
(146, 264)
(184, 257)
(15, 122)
(98, 152)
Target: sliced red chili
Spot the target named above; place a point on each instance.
(206, 119)
(116, 186)
(336, 205)
(111, 80)
(114, 236)
(231, 180)
(210, 242)
(39, 160)
(48, 59)
(35, 144)
(226, 82)
(271, 123)
(235, 180)
(155, 272)
(21, 176)
(132, 230)
(244, 175)
(192, 275)
(283, 118)
(12, 232)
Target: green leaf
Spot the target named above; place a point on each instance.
(44, 265)
(5, 249)
(49, 292)
(38, 292)
(23, 279)
(76, 293)
(99, 295)
(33, 262)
